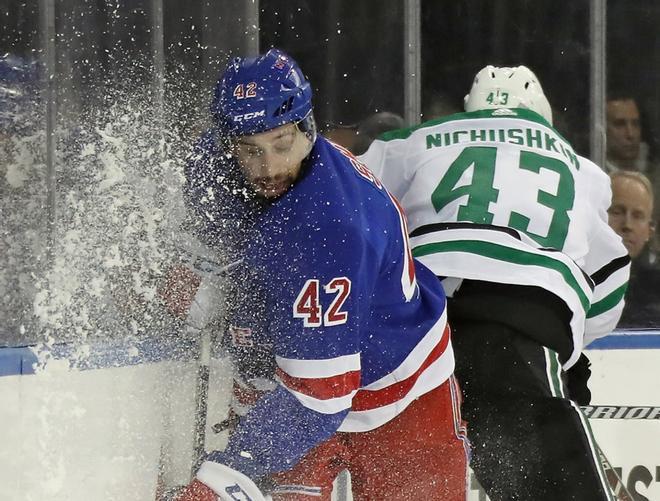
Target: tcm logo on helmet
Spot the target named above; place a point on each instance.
(249, 116)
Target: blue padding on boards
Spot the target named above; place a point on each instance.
(122, 353)
(99, 354)
(628, 340)
(16, 361)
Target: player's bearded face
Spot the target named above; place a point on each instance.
(271, 160)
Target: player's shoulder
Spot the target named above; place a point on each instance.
(338, 195)
(591, 167)
(342, 176)
(455, 119)
(207, 144)
(204, 153)
(394, 136)
(593, 173)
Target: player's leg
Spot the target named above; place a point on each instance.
(312, 478)
(529, 441)
(421, 454)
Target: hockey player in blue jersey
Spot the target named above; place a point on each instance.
(329, 305)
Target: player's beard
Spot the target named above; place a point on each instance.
(273, 188)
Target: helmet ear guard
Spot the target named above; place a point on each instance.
(308, 127)
(504, 87)
(259, 94)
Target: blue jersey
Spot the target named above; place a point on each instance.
(354, 329)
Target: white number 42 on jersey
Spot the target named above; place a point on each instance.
(308, 305)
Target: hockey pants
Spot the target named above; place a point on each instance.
(530, 442)
(421, 454)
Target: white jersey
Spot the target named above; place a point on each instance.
(500, 196)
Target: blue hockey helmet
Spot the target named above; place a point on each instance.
(258, 94)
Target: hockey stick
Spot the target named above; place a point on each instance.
(646, 412)
(164, 493)
(201, 399)
(618, 487)
(207, 338)
(207, 265)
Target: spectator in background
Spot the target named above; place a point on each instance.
(630, 216)
(343, 135)
(630, 212)
(357, 137)
(373, 126)
(625, 149)
(439, 104)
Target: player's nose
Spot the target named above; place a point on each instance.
(265, 168)
(627, 221)
(272, 165)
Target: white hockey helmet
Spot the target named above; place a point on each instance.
(518, 87)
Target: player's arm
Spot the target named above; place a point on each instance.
(275, 435)
(316, 305)
(198, 175)
(607, 262)
(190, 289)
(387, 161)
(608, 266)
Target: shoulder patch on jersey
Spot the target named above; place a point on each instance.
(241, 336)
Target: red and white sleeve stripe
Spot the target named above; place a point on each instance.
(326, 386)
(425, 368)
(399, 382)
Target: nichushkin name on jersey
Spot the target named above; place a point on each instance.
(620, 412)
(529, 137)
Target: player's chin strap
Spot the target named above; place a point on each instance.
(229, 484)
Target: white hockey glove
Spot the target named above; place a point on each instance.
(217, 482)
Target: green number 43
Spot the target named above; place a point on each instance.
(481, 192)
(498, 98)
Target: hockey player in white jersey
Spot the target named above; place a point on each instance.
(514, 223)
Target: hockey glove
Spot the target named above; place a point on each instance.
(576, 379)
(217, 482)
(244, 395)
(179, 289)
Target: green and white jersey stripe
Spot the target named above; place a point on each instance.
(553, 371)
(509, 169)
(482, 253)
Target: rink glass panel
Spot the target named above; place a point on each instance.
(91, 188)
(23, 181)
(87, 225)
